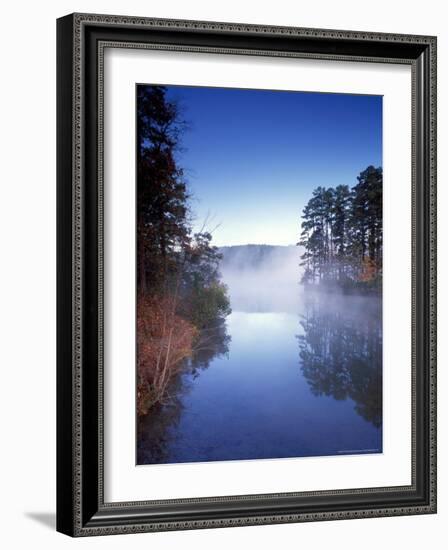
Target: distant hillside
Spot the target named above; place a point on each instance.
(262, 277)
(256, 256)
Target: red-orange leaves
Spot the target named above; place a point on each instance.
(164, 340)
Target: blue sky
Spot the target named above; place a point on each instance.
(253, 157)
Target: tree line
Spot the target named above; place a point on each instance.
(180, 292)
(342, 234)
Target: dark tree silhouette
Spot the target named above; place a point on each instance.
(342, 235)
(341, 354)
(162, 196)
(179, 288)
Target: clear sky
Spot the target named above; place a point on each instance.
(253, 157)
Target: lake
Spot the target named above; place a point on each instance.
(282, 378)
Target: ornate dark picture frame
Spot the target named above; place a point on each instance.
(81, 509)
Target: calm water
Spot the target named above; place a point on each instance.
(299, 379)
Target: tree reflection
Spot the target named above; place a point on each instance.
(212, 342)
(341, 352)
(156, 432)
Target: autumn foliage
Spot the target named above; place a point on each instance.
(179, 288)
(342, 235)
(164, 340)
(369, 270)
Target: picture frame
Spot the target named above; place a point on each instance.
(81, 506)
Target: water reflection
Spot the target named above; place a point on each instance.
(213, 342)
(156, 432)
(341, 351)
(287, 385)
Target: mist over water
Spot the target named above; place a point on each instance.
(263, 278)
(295, 373)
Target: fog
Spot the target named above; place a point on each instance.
(262, 278)
(292, 372)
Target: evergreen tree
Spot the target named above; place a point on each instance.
(162, 196)
(368, 210)
(182, 301)
(341, 214)
(342, 234)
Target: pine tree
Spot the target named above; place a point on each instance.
(162, 225)
(342, 233)
(341, 214)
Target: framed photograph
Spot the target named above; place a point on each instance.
(246, 274)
